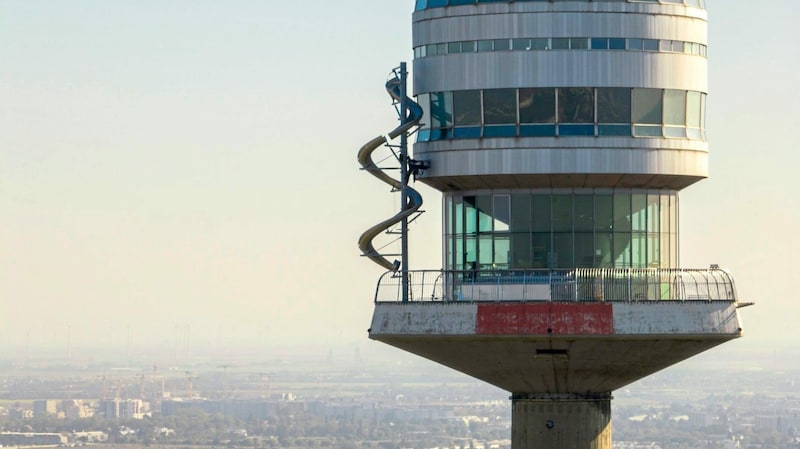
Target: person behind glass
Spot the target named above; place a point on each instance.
(471, 269)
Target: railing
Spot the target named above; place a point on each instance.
(582, 284)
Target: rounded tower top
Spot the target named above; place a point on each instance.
(561, 93)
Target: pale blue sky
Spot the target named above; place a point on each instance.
(193, 162)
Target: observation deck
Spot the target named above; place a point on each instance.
(558, 331)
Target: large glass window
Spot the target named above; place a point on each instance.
(566, 111)
(674, 113)
(647, 106)
(603, 212)
(441, 109)
(562, 212)
(647, 112)
(693, 112)
(575, 105)
(501, 212)
(613, 105)
(584, 212)
(622, 212)
(541, 209)
(500, 106)
(424, 102)
(614, 111)
(467, 107)
(537, 105)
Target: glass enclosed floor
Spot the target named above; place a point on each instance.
(561, 229)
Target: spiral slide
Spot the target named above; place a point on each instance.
(365, 159)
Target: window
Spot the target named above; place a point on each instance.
(599, 43)
(441, 109)
(575, 105)
(537, 105)
(613, 105)
(565, 111)
(560, 43)
(693, 112)
(500, 106)
(467, 107)
(485, 45)
(647, 112)
(517, 230)
(674, 113)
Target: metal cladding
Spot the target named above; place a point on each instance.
(586, 161)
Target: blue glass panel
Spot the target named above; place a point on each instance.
(469, 132)
(599, 43)
(575, 130)
(421, 4)
(461, 2)
(423, 135)
(537, 130)
(633, 44)
(500, 131)
(559, 43)
(440, 134)
(650, 44)
(614, 130)
(616, 44)
(647, 131)
(674, 131)
(436, 3)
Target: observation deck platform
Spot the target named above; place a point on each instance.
(558, 332)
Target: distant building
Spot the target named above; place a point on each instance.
(241, 409)
(122, 408)
(31, 439)
(45, 407)
(74, 409)
(20, 413)
(90, 437)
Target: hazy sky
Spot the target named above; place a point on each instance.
(192, 164)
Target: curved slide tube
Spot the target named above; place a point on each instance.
(414, 109)
(414, 198)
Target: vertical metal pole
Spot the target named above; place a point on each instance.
(404, 179)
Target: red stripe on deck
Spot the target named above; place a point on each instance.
(537, 318)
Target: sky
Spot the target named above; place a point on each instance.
(184, 172)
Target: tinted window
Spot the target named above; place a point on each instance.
(647, 106)
(467, 107)
(537, 105)
(500, 106)
(613, 105)
(575, 105)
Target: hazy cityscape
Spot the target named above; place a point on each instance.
(366, 396)
(181, 203)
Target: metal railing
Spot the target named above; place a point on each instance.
(582, 284)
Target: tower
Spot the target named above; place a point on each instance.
(560, 133)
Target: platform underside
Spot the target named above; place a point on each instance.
(556, 348)
(589, 365)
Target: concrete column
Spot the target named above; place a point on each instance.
(561, 421)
